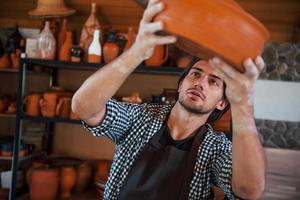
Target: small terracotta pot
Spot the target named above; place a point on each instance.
(5, 61)
(103, 170)
(214, 28)
(83, 176)
(67, 181)
(48, 104)
(32, 104)
(12, 108)
(44, 184)
(63, 107)
(159, 56)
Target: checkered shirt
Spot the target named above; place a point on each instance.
(131, 126)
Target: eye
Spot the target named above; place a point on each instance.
(214, 82)
(196, 74)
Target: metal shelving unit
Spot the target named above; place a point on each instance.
(56, 65)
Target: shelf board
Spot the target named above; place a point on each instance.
(10, 70)
(92, 66)
(33, 155)
(7, 115)
(50, 119)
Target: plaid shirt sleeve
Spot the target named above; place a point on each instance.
(222, 168)
(117, 121)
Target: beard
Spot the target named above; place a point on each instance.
(194, 109)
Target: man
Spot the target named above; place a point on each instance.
(171, 152)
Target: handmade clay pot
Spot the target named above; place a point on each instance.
(35, 165)
(130, 38)
(32, 104)
(214, 28)
(48, 104)
(12, 108)
(64, 53)
(44, 184)
(159, 56)
(103, 170)
(5, 61)
(67, 181)
(63, 107)
(110, 48)
(83, 176)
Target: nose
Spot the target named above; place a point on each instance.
(201, 82)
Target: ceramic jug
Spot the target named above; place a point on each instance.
(32, 104)
(63, 107)
(48, 104)
(159, 56)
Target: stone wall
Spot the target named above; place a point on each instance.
(283, 64)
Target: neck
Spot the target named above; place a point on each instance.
(183, 123)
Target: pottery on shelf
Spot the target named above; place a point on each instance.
(214, 28)
(130, 38)
(159, 56)
(5, 61)
(83, 176)
(62, 34)
(63, 107)
(48, 104)
(88, 29)
(64, 52)
(46, 43)
(95, 49)
(32, 104)
(44, 184)
(76, 53)
(110, 48)
(102, 171)
(67, 181)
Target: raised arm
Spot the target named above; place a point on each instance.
(89, 101)
(248, 156)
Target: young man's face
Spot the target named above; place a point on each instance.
(201, 91)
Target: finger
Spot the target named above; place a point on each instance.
(152, 11)
(152, 27)
(160, 40)
(251, 68)
(225, 68)
(151, 2)
(260, 63)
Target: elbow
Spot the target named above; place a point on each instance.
(253, 191)
(76, 106)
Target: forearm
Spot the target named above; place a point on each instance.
(248, 156)
(92, 96)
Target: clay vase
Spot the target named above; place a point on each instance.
(32, 104)
(48, 104)
(62, 34)
(88, 29)
(130, 38)
(15, 58)
(199, 34)
(5, 61)
(44, 184)
(64, 52)
(63, 107)
(159, 56)
(67, 181)
(102, 171)
(46, 43)
(35, 165)
(83, 176)
(110, 48)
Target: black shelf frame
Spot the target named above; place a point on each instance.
(56, 65)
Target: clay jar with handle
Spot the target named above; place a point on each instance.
(48, 104)
(44, 184)
(32, 104)
(159, 56)
(63, 107)
(83, 176)
(67, 181)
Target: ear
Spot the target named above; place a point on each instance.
(179, 86)
(222, 104)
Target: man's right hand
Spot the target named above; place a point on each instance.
(146, 39)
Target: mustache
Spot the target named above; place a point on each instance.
(197, 92)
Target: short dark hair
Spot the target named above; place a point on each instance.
(216, 114)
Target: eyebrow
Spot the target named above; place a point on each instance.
(212, 75)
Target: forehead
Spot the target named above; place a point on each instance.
(205, 66)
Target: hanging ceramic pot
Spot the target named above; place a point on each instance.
(159, 56)
(48, 104)
(67, 181)
(46, 43)
(62, 34)
(88, 29)
(44, 184)
(64, 53)
(110, 49)
(83, 176)
(63, 107)
(5, 61)
(130, 38)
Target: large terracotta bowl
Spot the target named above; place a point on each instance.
(207, 28)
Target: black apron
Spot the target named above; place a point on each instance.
(162, 172)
